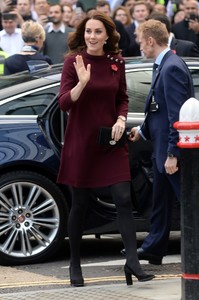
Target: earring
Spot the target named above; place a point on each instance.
(105, 42)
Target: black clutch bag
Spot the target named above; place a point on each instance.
(104, 137)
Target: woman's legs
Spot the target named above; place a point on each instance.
(122, 198)
(76, 221)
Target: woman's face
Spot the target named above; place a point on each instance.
(95, 36)
(67, 14)
(121, 16)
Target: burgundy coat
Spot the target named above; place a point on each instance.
(84, 163)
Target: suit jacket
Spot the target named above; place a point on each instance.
(184, 48)
(172, 88)
(182, 32)
(133, 48)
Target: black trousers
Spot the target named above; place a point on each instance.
(166, 190)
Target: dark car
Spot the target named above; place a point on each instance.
(33, 207)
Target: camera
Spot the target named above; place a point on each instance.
(193, 17)
(13, 2)
(50, 19)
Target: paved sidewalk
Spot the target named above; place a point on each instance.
(157, 289)
(165, 286)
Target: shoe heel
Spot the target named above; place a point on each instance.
(129, 280)
(76, 279)
(141, 277)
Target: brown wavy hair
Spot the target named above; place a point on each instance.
(76, 42)
(126, 11)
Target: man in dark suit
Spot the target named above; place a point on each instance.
(140, 12)
(171, 86)
(179, 47)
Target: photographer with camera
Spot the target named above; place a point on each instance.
(180, 47)
(41, 9)
(188, 29)
(10, 6)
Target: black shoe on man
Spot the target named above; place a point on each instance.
(143, 255)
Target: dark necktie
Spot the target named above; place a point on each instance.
(155, 67)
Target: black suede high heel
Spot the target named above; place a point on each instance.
(129, 272)
(76, 278)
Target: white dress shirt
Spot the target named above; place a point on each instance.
(11, 43)
(50, 28)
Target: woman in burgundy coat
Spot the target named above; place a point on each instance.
(93, 92)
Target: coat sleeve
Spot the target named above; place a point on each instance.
(68, 81)
(194, 51)
(176, 90)
(6, 68)
(122, 98)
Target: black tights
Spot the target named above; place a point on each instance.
(122, 199)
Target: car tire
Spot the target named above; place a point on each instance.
(33, 218)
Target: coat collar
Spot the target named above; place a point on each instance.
(166, 56)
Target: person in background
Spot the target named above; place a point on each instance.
(159, 8)
(3, 56)
(41, 8)
(151, 4)
(10, 36)
(139, 13)
(55, 45)
(67, 14)
(24, 9)
(33, 35)
(188, 29)
(72, 3)
(172, 6)
(122, 14)
(180, 47)
(104, 6)
(9, 6)
(77, 16)
(178, 17)
(128, 4)
(93, 79)
(171, 86)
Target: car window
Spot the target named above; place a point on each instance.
(138, 86)
(10, 80)
(195, 76)
(31, 104)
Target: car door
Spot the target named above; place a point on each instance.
(138, 80)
